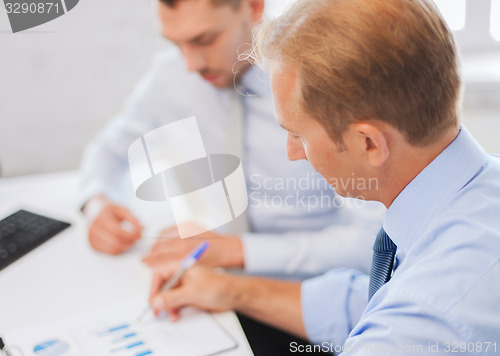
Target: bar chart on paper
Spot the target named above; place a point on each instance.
(118, 333)
(122, 340)
(195, 334)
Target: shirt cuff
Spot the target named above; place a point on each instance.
(332, 304)
(265, 253)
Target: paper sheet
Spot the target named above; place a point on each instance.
(118, 333)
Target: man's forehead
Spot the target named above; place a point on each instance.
(285, 91)
(283, 80)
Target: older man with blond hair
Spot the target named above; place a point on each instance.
(371, 89)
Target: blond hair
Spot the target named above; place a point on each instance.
(356, 60)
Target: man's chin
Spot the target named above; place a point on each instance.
(222, 85)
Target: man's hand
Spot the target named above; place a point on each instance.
(199, 286)
(114, 229)
(224, 250)
(270, 301)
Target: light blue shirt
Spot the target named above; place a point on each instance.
(299, 226)
(445, 289)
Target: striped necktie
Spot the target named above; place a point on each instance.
(383, 261)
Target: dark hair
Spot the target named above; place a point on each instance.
(235, 4)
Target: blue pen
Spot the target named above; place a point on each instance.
(186, 263)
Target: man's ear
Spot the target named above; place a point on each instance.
(257, 8)
(372, 142)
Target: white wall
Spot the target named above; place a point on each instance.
(60, 82)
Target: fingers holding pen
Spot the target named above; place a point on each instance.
(161, 275)
(175, 298)
(199, 286)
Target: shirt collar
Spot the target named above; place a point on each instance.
(449, 172)
(254, 82)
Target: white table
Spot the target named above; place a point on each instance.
(65, 276)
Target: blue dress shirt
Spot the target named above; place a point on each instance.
(299, 225)
(444, 295)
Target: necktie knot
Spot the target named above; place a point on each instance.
(383, 242)
(384, 251)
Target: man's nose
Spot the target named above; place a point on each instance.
(195, 59)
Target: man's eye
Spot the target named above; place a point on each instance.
(206, 41)
(294, 137)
